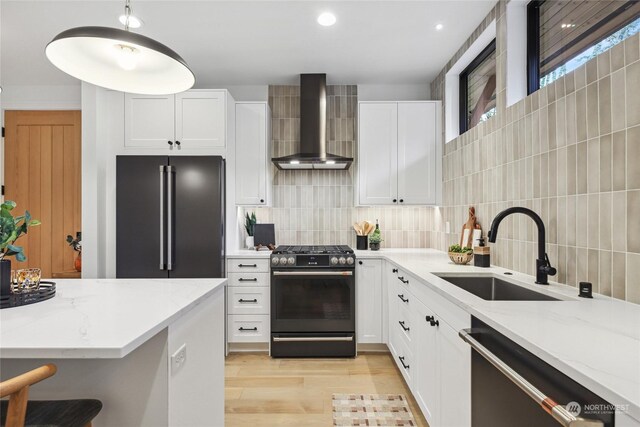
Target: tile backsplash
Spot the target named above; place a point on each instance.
(317, 207)
(570, 152)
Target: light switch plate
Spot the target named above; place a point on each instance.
(447, 227)
(179, 358)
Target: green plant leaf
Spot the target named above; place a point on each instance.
(34, 222)
(8, 205)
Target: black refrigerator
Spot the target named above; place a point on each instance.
(170, 216)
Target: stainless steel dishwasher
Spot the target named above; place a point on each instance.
(512, 387)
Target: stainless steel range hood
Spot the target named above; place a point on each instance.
(313, 125)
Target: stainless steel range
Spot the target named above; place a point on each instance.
(313, 301)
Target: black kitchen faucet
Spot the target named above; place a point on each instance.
(543, 266)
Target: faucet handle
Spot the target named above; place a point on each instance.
(551, 271)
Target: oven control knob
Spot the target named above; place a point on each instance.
(342, 260)
(350, 260)
(275, 260)
(334, 260)
(291, 260)
(283, 260)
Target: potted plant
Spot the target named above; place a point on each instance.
(249, 225)
(76, 244)
(374, 241)
(11, 229)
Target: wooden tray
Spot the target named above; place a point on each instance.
(46, 291)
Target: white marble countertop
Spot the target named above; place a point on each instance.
(99, 318)
(248, 253)
(594, 341)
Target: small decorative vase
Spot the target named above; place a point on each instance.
(77, 264)
(249, 242)
(5, 277)
(374, 246)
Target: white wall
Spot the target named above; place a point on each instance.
(391, 92)
(41, 97)
(248, 92)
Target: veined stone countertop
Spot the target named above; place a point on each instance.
(99, 318)
(248, 253)
(594, 341)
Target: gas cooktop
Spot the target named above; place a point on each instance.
(313, 250)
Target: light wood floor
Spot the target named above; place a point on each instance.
(261, 391)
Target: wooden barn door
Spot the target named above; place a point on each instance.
(42, 174)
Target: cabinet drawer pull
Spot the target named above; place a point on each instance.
(402, 361)
(401, 296)
(401, 322)
(248, 300)
(395, 270)
(432, 320)
(248, 329)
(401, 278)
(247, 280)
(247, 265)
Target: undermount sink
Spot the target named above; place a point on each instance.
(494, 289)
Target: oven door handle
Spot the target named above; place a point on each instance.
(312, 273)
(557, 411)
(311, 339)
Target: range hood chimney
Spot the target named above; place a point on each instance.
(313, 127)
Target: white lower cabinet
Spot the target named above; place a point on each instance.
(248, 328)
(248, 300)
(434, 361)
(369, 301)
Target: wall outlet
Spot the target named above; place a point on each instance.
(179, 358)
(447, 227)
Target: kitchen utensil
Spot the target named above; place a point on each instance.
(358, 229)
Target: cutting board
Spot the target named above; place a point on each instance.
(471, 230)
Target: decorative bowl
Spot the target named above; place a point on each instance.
(460, 258)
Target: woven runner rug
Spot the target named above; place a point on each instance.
(371, 410)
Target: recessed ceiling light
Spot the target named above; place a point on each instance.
(439, 27)
(567, 25)
(330, 162)
(327, 19)
(294, 162)
(134, 21)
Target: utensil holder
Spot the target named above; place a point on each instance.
(362, 242)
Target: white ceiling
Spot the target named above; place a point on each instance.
(257, 42)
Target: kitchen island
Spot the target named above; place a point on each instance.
(152, 350)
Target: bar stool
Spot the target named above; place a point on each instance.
(18, 411)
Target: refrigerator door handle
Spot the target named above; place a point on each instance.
(162, 175)
(169, 218)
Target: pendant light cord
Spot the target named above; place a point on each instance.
(127, 14)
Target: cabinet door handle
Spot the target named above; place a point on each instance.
(248, 300)
(402, 361)
(178, 143)
(170, 143)
(247, 280)
(401, 296)
(247, 329)
(401, 200)
(429, 318)
(395, 200)
(403, 327)
(395, 270)
(247, 265)
(261, 200)
(432, 320)
(360, 262)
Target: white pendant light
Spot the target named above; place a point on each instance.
(120, 60)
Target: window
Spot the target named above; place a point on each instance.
(478, 89)
(562, 35)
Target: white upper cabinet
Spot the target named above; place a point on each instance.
(399, 153)
(149, 120)
(369, 301)
(253, 181)
(417, 153)
(188, 120)
(378, 153)
(200, 119)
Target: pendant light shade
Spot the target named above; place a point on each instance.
(120, 60)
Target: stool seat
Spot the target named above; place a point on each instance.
(57, 413)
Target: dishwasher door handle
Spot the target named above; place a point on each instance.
(557, 411)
